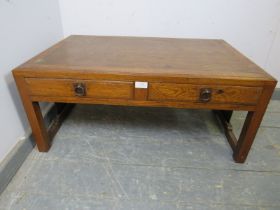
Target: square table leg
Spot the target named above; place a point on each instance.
(34, 115)
(241, 147)
(37, 124)
(251, 126)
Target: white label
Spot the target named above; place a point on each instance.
(141, 85)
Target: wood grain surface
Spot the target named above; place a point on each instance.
(65, 88)
(159, 58)
(190, 92)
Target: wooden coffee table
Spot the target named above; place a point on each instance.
(130, 71)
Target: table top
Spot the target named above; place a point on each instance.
(148, 56)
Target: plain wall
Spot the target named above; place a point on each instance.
(26, 28)
(251, 26)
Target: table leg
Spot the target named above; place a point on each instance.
(37, 124)
(246, 138)
(34, 115)
(227, 115)
(62, 111)
(251, 126)
(224, 116)
(241, 147)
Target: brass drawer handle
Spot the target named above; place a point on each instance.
(205, 94)
(79, 89)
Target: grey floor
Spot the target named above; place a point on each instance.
(149, 158)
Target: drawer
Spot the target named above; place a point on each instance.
(204, 93)
(80, 88)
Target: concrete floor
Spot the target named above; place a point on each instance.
(107, 157)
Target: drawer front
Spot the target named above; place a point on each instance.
(80, 88)
(204, 93)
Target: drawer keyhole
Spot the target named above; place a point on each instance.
(205, 94)
(79, 89)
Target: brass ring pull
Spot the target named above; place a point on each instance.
(205, 94)
(79, 89)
